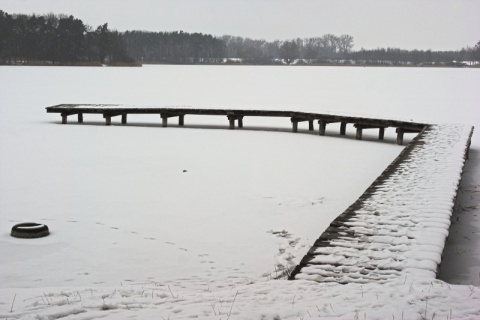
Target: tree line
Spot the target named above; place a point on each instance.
(327, 46)
(58, 39)
(197, 48)
(62, 39)
(396, 56)
(174, 47)
(181, 47)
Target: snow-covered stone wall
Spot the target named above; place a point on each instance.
(399, 226)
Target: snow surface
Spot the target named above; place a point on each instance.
(133, 235)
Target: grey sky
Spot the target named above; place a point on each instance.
(409, 24)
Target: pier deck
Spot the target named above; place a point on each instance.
(360, 123)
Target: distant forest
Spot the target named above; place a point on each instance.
(65, 40)
(58, 39)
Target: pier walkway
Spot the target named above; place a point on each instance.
(237, 115)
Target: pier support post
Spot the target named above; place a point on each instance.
(80, 118)
(323, 126)
(181, 119)
(294, 125)
(164, 121)
(359, 133)
(231, 120)
(381, 133)
(124, 118)
(64, 118)
(343, 127)
(108, 120)
(310, 125)
(400, 136)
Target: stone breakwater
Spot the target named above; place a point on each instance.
(399, 226)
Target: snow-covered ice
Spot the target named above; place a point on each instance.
(133, 235)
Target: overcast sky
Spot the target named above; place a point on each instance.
(408, 24)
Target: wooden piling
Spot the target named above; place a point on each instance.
(310, 125)
(181, 120)
(343, 127)
(294, 125)
(164, 121)
(400, 136)
(80, 118)
(359, 133)
(108, 120)
(64, 118)
(381, 133)
(231, 121)
(240, 121)
(323, 126)
(124, 118)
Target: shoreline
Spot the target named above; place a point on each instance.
(140, 64)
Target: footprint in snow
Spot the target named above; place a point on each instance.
(285, 255)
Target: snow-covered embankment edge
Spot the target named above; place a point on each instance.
(399, 226)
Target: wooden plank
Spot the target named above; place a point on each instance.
(368, 126)
(407, 130)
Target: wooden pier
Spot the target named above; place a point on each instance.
(237, 115)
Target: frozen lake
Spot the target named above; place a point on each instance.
(121, 208)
